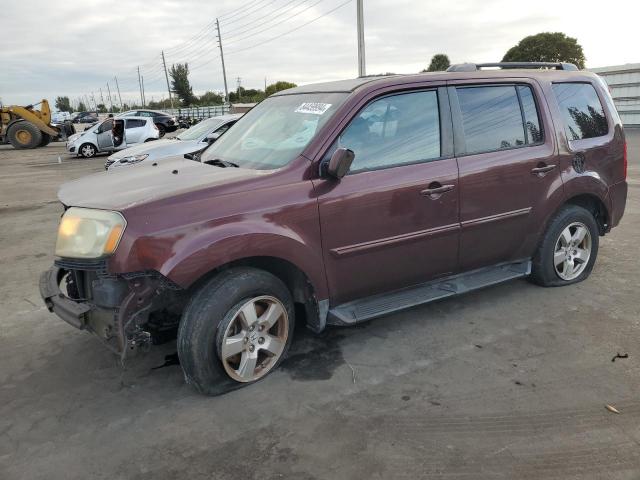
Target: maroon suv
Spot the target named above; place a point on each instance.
(341, 202)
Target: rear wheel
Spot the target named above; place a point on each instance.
(235, 330)
(24, 134)
(161, 130)
(568, 249)
(87, 150)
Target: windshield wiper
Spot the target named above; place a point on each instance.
(221, 163)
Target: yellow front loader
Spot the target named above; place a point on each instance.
(26, 127)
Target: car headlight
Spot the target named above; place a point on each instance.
(88, 233)
(133, 158)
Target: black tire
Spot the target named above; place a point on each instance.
(161, 130)
(23, 135)
(88, 152)
(206, 317)
(543, 269)
(149, 140)
(46, 138)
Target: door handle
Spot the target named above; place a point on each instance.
(435, 190)
(542, 170)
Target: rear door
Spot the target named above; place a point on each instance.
(508, 171)
(392, 221)
(134, 130)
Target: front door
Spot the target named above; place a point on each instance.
(392, 221)
(508, 172)
(104, 136)
(135, 129)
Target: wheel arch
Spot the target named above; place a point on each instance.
(596, 206)
(302, 289)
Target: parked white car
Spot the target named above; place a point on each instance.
(192, 140)
(59, 117)
(112, 134)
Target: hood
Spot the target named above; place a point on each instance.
(74, 137)
(123, 188)
(159, 149)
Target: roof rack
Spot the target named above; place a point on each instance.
(472, 67)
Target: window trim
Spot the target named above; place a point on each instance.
(564, 123)
(446, 128)
(456, 112)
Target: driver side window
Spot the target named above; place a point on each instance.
(106, 126)
(394, 130)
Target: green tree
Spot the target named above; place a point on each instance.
(180, 83)
(101, 108)
(547, 47)
(276, 87)
(63, 104)
(439, 63)
(210, 98)
(82, 107)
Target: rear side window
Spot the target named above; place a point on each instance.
(135, 123)
(581, 110)
(394, 130)
(491, 118)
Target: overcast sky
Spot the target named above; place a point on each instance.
(74, 47)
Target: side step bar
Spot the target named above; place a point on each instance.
(379, 305)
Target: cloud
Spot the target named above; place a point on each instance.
(75, 47)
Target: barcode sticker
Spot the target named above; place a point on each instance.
(312, 107)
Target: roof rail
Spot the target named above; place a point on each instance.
(472, 67)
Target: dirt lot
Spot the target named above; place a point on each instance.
(507, 383)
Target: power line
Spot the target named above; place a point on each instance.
(240, 29)
(292, 30)
(276, 24)
(248, 11)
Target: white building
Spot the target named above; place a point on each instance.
(624, 84)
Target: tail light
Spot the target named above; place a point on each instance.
(156, 127)
(625, 161)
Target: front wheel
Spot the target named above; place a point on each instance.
(87, 150)
(235, 330)
(568, 249)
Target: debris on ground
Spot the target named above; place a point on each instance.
(624, 355)
(612, 409)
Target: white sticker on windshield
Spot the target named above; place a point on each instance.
(313, 107)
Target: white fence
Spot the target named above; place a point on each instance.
(199, 112)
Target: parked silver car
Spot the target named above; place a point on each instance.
(112, 134)
(192, 140)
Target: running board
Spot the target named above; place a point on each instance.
(379, 305)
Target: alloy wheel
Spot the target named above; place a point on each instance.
(88, 151)
(572, 251)
(255, 339)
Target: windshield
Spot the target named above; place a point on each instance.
(275, 131)
(201, 129)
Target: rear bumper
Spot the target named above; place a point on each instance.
(618, 202)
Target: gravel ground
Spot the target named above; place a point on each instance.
(507, 383)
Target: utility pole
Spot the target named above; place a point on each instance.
(224, 72)
(167, 77)
(362, 71)
(93, 97)
(140, 85)
(101, 98)
(110, 102)
(144, 96)
(119, 97)
(239, 80)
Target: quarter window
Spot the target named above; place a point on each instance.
(394, 130)
(491, 118)
(581, 110)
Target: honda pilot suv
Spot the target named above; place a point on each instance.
(337, 203)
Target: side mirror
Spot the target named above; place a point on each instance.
(212, 137)
(340, 163)
(189, 156)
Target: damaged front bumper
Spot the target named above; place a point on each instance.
(126, 312)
